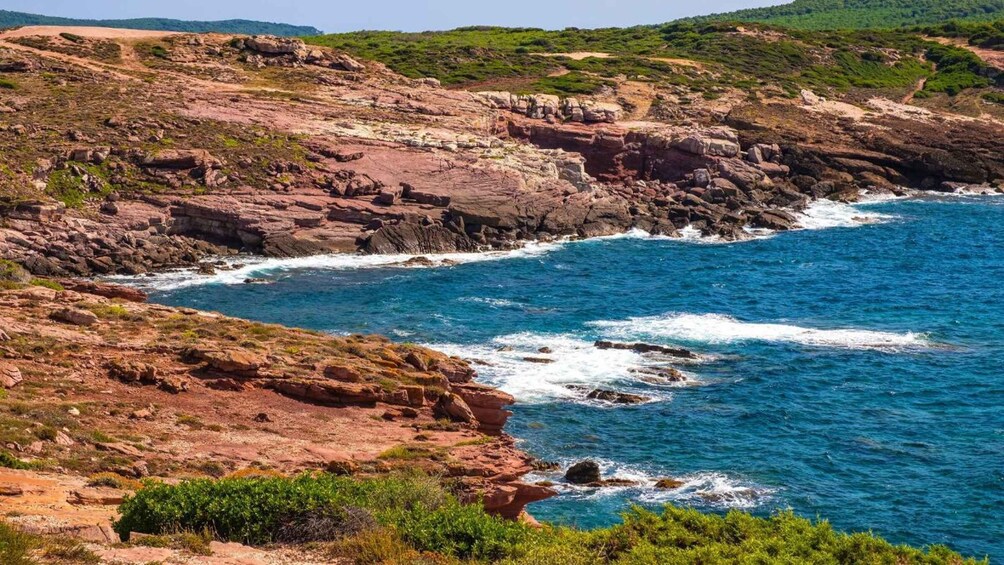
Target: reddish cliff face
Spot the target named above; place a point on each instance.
(287, 151)
(165, 392)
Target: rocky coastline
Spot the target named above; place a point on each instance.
(417, 169)
(151, 162)
(118, 385)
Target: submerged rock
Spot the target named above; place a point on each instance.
(617, 397)
(647, 348)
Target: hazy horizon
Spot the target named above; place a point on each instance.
(395, 15)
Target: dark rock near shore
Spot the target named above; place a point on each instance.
(583, 473)
(647, 348)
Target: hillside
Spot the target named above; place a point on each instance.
(16, 19)
(707, 59)
(862, 14)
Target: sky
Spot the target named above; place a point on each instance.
(404, 15)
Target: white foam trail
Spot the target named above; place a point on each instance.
(716, 328)
(703, 489)
(493, 302)
(826, 214)
(711, 489)
(260, 267)
(513, 364)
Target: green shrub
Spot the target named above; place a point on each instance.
(13, 272)
(72, 37)
(257, 510)
(8, 84)
(462, 531)
(8, 461)
(15, 546)
(994, 97)
(47, 283)
(411, 519)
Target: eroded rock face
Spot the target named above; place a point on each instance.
(454, 407)
(549, 106)
(273, 45)
(223, 380)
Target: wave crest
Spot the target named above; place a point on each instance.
(717, 328)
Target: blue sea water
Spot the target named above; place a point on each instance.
(854, 373)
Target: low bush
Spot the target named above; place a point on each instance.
(413, 519)
(47, 283)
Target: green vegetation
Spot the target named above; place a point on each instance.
(704, 57)
(7, 84)
(47, 283)
(19, 548)
(71, 37)
(989, 35)
(245, 27)
(8, 461)
(959, 69)
(994, 97)
(411, 519)
(862, 14)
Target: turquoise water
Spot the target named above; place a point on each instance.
(852, 373)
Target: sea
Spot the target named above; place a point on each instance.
(851, 371)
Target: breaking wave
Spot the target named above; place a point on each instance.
(515, 364)
(239, 270)
(706, 489)
(717, 328)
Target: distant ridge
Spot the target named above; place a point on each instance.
(246, 27)
(864, 14)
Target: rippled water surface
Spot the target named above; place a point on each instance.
(853, 373)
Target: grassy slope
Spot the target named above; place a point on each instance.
(16, 19)
(861, 14)
(757, 56)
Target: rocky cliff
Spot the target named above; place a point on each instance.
(127, 155)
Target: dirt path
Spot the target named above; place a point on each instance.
(920, 86)
(69, 59)
(88, 32)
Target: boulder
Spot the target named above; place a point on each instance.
(344, 62)
(74, 316)
(181, 159)
(669, 484)
(453, 407)
(774, 220)
(343, 373)
(616, 397)
(96, 497)
(583, 473)
(232, 361)
(10, 375)
(708, 146)
(105, 290)
(272, 45)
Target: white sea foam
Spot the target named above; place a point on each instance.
(493, 302)
(826, 214)
(711, 489)
(515, 364)
(716, 328)
(702, 489)
(260, 267)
